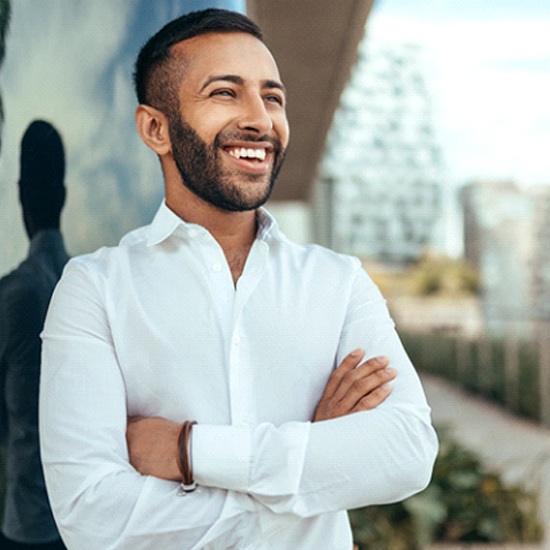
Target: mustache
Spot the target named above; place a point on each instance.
(226, 137)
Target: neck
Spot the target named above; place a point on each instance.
(233, 228)
(234, 231)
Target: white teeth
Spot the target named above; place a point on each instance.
(243, 152)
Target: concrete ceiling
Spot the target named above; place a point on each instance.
(315, 44)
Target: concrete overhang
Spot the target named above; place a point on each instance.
(315, 45)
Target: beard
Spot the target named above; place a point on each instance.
(202, 173)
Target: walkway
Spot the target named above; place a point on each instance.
(518, 449)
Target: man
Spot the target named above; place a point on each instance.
(211, 315)
(24, 296)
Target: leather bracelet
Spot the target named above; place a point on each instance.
(185, 465)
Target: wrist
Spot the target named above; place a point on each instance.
(184, 458)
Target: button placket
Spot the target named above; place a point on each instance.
(216, 267)
(241, 374)
(240, 378)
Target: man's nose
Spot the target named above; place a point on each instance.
(255, 116)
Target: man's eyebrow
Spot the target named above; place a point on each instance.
(274, 84)
(236, 79)
(223, 77)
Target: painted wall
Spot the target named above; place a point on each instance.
(71, 63)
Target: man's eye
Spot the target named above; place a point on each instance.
(274, 99)
(223, 93)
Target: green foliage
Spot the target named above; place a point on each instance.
(480, 366)
(441, 275)
(464, 503)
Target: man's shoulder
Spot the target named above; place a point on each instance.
(107, 256)
(136, 237)
(317, 254)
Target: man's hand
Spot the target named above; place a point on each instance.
(350, 389)
(153, 442)
(153, 446)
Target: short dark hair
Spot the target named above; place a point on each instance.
(153, 76)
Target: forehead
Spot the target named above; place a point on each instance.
(226, 53)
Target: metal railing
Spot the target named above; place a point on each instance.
(512, 371)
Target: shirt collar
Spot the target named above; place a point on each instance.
(166, 223)
(268, 228)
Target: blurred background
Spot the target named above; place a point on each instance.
(420, 142)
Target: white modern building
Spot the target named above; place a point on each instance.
(379, 191)
(507, 237)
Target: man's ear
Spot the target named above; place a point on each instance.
(152, 126)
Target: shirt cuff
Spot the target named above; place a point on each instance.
(221, 456)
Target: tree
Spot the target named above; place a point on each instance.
(440, 275)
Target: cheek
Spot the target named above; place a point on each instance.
(207, 123)
(281, 127)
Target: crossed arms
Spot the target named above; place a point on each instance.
(383, 452)
(352, 387)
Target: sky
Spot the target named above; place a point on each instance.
(70, 62)
(490, 77)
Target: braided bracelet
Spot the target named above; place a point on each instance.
(185, 465)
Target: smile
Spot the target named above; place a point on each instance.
(247, 153)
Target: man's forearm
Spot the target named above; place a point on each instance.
(352, 387)
(307, 469)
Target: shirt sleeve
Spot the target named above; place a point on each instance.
(366, 458)
(99, 501)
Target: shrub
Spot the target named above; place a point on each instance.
(464, 503)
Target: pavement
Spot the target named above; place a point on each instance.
(516, 448)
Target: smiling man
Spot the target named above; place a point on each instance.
(204, 382)
(230, 166)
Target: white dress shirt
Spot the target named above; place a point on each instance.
(156, 327)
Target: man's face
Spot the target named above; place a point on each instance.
(229, 139)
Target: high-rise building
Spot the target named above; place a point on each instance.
(507, 237)
(541, 256)
(379, 192)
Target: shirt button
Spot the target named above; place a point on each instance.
(192, 233)
(217, 267)
(236, 339)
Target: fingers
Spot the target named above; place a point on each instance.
(347, 365)
(365, 378)
(353, 388)
(367, 392)
(373, 399)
